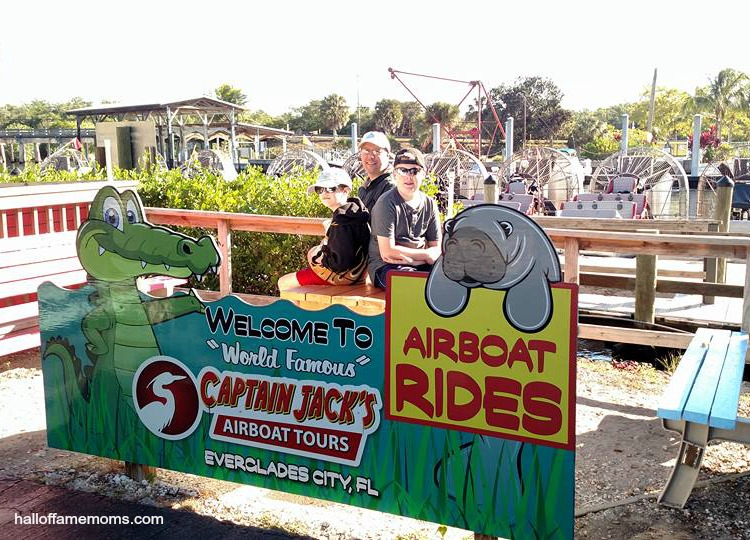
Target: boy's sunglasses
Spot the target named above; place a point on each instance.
(319, 189)
(414, 171)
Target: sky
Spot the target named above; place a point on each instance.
(283, 53)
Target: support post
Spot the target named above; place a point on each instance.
(233, 140)
(572, 269)
(170, 140)
(490, 190)
(436, 137)
(624, 139)
(451, 174)
(710, 267)
(509, 139)
(354, 138)
(695, 151)
(139, 472)
(724, 193)
(108, 160)
(224, 234)
(204, 118)
(479, 122)
(645, 285)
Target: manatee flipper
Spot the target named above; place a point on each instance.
(444, 296)
(528, 304)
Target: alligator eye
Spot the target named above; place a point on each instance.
(112, 212)
(131, 212)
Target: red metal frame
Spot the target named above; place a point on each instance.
(476, 133)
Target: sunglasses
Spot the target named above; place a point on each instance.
(319, 189)
(414, 171)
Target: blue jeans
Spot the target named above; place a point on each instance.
(381, 273)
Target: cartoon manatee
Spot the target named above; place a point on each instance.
(497, 248)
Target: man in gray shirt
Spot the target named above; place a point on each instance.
(405, 223)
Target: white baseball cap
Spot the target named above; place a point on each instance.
(330, 178)
(377, 138)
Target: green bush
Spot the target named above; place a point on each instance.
(258, 259)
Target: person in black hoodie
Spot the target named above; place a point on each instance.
(375, 154)
(341, 259)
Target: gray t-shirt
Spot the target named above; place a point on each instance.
(411, 227)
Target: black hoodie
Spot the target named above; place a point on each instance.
(348, 237)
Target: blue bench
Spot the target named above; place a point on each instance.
(700, 403)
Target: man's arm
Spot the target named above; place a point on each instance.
(395, 254)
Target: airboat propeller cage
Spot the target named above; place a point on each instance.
(558, 176)
(658, 176)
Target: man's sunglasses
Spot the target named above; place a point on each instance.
(414, 171)
(319, 189)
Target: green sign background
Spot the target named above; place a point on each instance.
(484, 484)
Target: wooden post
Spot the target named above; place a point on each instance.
(224, 234)
(645, 286)
(572, 268)
(711, 267)
(746, 297)
(724, 192)
(139, 472)
(490, 190)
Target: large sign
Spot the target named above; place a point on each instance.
(440, 409)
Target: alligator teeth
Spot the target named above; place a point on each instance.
(167, 266)
(199, 277)
(214, 269)
(143, 264)
(101, 251)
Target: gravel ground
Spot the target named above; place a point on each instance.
(623, 458)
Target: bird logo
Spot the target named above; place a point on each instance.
(165, 398)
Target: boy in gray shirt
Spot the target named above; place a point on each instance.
(406, 232)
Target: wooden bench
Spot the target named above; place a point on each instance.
(365, 299)
(700, 403)
(38, 227)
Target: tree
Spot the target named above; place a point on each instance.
(411, 117)
(584, 127)
(365, 119)
(723, 95)
(670, 120)
(40, 114)
(306, 118)
(230, 94)
(445, 114)
(534, 102)
(334, 112)
(388, 115)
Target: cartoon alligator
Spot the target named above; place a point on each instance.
(116, 246)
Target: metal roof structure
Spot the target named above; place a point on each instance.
(201, 110)
(142, 111)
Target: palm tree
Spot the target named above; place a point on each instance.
(388, 115)
(445, 114)
(334, 112)
(723, 95)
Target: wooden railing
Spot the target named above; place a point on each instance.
(226, 222)
(571, 241)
